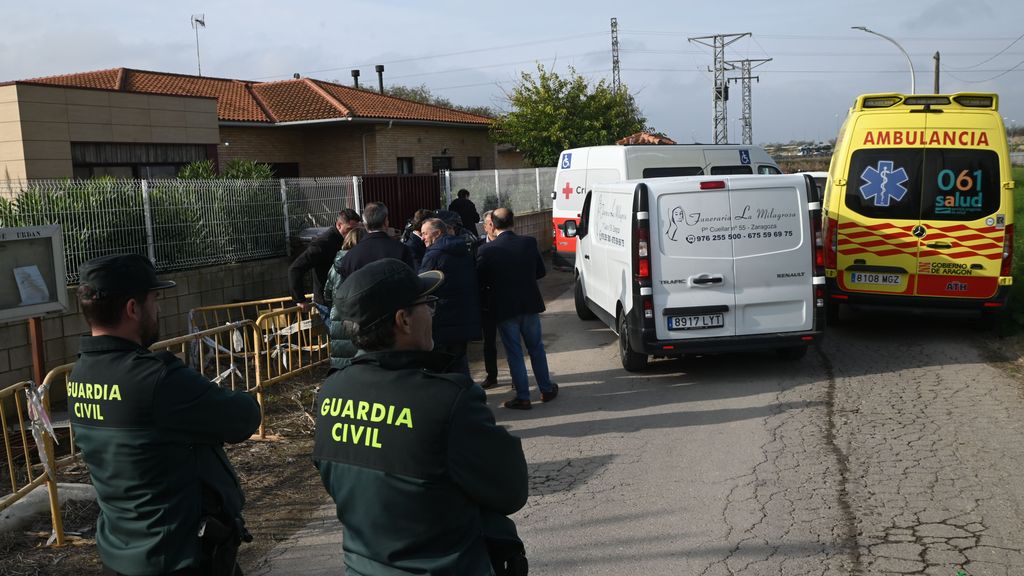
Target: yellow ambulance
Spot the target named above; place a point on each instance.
(919, 204)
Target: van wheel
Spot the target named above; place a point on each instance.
(832, 313)
(582, 310)
(792, 353)
(631, 361)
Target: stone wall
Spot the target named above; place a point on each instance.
(200, 287)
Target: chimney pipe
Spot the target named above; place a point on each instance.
(380, 76)
(355, 78)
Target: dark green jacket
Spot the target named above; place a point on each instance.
(341, 346)
(413, 461)
(151, 431)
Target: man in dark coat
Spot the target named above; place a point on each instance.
(457, 321)
(422, 478)
(508, 269)
(377, 244)
(318, 257)
(413, 238)
(466, 210)
(151, 431)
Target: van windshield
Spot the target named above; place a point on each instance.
(725, 170)
(923, 184)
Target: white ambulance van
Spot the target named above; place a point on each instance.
(579, 169)
(699, 265)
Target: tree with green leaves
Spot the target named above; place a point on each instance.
(551, 113)
(423, 95)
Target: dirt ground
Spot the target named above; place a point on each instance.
(277, 476)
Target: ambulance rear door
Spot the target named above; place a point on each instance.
(962, 217)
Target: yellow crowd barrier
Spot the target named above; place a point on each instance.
(288, 342)
(24, 473)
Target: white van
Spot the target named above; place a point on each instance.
(698, 265)
(579, 169)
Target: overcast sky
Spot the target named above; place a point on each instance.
(473, 52)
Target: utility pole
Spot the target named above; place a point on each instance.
(720, 93)
(746, 119)
(936, 57)
(616, 80)
(198, 21)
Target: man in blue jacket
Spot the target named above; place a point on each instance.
(508, 268)
(457, 321)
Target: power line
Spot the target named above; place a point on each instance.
(999, 75)
(996, 55)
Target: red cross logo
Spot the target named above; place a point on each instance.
(567, 190)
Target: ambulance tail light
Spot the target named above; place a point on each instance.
(831, 239)
(1007, 268)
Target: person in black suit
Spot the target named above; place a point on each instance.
(318, 257)
(466, 210)
(412, 237)
(508, 269)
(377, 244)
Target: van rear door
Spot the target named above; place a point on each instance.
(773, 254)
(691, 259)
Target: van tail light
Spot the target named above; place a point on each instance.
(643, 258)
(819, 244)
(1007, 268)
(831, 241)
(648, 308)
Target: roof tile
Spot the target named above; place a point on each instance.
(270, 102)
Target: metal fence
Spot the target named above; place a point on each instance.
(178, 224)
(523, 190)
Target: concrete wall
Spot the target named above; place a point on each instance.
(45, 120)
(200, 287)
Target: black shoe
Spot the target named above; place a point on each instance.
(549, 396)
(489, 382)
(517, 404)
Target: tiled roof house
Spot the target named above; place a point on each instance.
(140, 123)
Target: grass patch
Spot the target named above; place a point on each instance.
(1017, 290)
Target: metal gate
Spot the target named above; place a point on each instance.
(403, 194)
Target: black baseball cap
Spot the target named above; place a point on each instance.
(118, 274)
(379, 289)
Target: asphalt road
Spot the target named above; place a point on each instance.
(896, 447)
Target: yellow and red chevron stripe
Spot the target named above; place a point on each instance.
(886, 239)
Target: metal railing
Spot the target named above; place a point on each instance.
(22, 473)
(523, 190)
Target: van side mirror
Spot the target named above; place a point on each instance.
(569, 228)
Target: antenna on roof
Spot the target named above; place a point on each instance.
(198, 21)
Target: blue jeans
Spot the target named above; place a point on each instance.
(526, 326)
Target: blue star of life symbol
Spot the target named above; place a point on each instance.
(883, 183)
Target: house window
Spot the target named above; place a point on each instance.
(438, 163)
(472, 162)
(285, 169)
(405, 165)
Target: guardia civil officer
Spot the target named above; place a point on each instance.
(152, 431)
(422, 477)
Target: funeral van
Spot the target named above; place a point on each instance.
(579, 169)
(697, 265)
(918, 205)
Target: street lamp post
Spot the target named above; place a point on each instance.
(913, 87)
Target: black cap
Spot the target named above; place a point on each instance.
(379, 289)
(121, 274)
